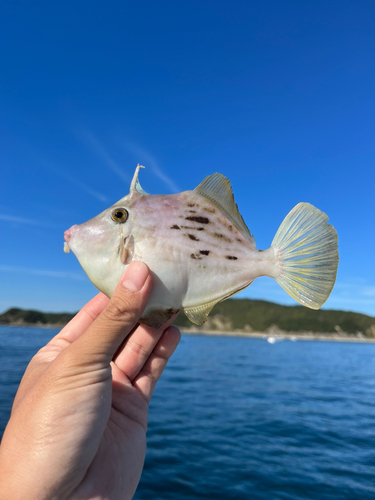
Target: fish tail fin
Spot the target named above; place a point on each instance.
(307, 255)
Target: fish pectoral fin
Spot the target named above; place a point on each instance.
(218, 190)
(124, 254)
(198, 315)
(126, 249)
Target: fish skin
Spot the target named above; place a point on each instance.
(198, 254)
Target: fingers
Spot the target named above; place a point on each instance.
(101, 340)
(137, 348)
(147, 378)
(82, 320)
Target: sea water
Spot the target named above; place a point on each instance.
(238, 418)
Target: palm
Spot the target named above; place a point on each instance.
(113, 468)
(117, 464)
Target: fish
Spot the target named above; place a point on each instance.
(200, 251)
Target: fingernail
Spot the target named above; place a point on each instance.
(135, 276)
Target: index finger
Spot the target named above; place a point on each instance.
(82, 320)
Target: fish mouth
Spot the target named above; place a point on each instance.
(67, 236)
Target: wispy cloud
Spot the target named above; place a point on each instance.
(73, 180)
(354, 289)
(358, 297)
(369, 291)
(354, 296)
(42, 272)
(100, 151)
(148, 160)
(23, 220)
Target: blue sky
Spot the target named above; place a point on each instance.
(277, 96)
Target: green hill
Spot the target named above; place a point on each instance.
(237, 314)
(260, 315)
(16, 316)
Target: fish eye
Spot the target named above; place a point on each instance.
(119, 215)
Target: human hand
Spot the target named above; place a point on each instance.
(78, 423)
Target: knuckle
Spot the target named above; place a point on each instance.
(121, 309)
(150, 374)
(137, 348)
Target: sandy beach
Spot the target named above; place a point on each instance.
(279, 335)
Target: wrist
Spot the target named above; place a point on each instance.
(17, 482)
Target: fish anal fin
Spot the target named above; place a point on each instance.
(198, 315)
(218, 190)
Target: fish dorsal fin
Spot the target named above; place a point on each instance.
(135, 185)
(198, 315)
(217, 189)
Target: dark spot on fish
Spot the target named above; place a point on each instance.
(195, 256)
(231, 257)
(204, 252)
(210, 209)
(191, 204)
(222, 237)
(192, 211)
(238, 239)
(193, 228)
(230, 228)
(192, 237)
(175, 227)
(157, 318)
(197, 218)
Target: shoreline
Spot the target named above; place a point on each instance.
(280, 335)
(34, 325)
(277, 335)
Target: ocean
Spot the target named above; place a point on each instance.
(239, 418)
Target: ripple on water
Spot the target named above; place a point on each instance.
(236, 418)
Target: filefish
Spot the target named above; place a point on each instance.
(200, 251)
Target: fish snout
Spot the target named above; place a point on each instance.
(69, 233)
(68, 236)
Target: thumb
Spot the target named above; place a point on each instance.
(102, 339)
